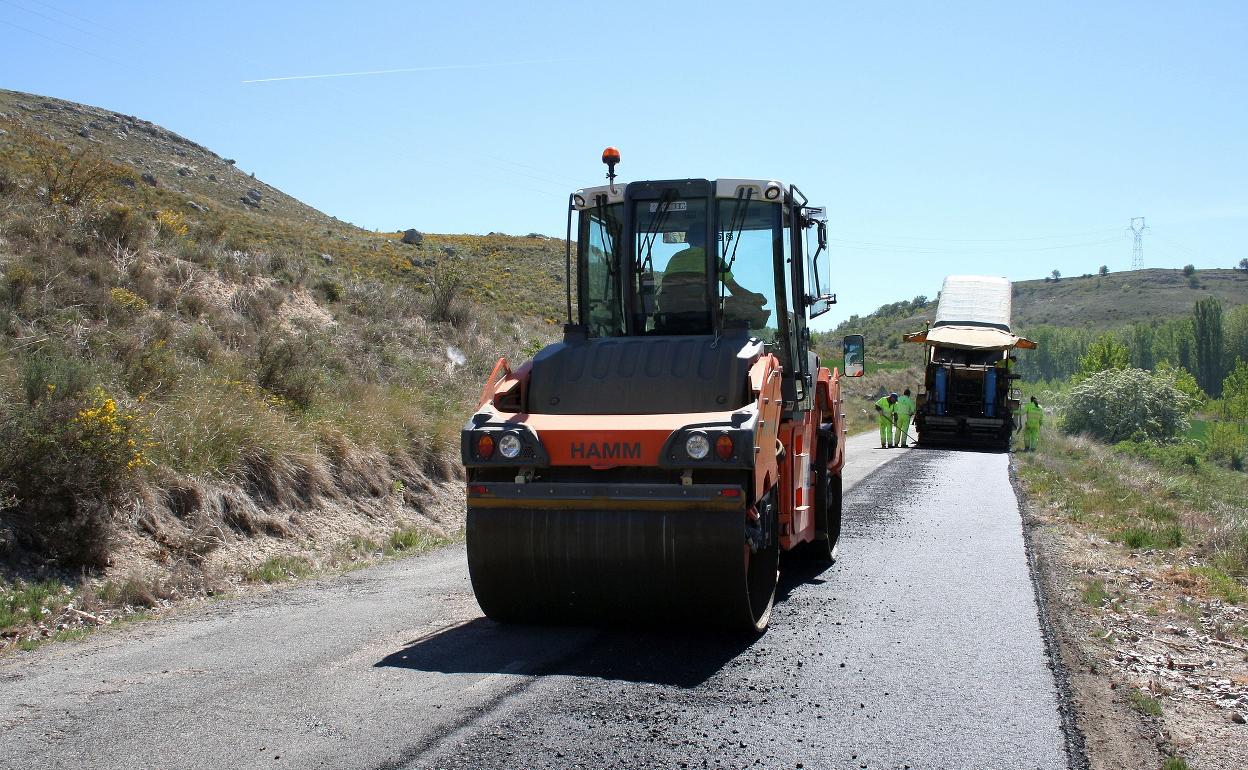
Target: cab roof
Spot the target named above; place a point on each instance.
(586, 197)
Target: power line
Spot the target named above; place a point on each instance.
(904, 249)
(54, 20)
(60, 42)
(63, 12)
(1177, 245)
(1005, 240)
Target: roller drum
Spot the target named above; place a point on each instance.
(619, 567)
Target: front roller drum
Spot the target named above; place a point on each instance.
(620, 567)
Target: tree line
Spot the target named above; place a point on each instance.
(1208, 343)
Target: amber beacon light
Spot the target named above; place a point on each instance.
(611, 156)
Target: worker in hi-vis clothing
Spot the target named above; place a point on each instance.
(887, 417)
(1033, 418)
(905, 408)
(691, 261)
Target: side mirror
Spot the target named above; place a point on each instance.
(818, 271)
(855, 355)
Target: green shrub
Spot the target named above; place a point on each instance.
(18, 279)
(1105, 353)
(278, 569)
(1144, 703)
(50, 375)
(67, 462)
(1227, 445)
(1120, 404)
(330, 289)
(151, 369)
(200, 343)
(1153, 537)
(23, 603)
(285, 367)
(124, 226)
(411, 541)
(445, 284)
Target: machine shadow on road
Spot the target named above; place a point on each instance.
(679, 657)
(674, 656)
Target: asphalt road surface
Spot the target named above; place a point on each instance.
(920, 648)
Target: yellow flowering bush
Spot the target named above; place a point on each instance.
(124, 298)
(170, 223)
(67, 462)
(112, 435)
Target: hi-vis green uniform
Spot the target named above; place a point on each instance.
(904, 408)
(692, 261)
(1033, 418)
(886, 421)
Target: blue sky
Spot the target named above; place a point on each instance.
(942, 137)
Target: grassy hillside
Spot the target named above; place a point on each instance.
(152, 169)
(200, 375)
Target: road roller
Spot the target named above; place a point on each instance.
(654, 463)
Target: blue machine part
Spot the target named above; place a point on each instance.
(990, 393)
(939, 386)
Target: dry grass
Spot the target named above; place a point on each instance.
(1197, 511)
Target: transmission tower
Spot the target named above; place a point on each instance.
(1137, 249)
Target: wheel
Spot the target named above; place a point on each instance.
(762, 565)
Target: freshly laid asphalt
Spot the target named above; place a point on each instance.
(921, 647)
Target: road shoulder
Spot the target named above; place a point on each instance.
(1104, 731)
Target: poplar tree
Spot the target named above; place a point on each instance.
(1207, 325)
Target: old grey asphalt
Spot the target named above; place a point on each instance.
(921, 647)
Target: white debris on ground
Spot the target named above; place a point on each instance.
(1197, 652)
(455, 357)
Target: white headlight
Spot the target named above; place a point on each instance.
(509, 446)
(697, 446)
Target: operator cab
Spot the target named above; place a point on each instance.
(696, 257)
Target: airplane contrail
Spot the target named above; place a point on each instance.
(408, 69)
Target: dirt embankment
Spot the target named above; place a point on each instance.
(1157, 669)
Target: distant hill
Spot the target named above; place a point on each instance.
(1092, 302)
(175, 173)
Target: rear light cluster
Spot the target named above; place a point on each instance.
(508, 445)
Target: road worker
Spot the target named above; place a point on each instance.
(904, 410)
(886, 418)
(1033, 418)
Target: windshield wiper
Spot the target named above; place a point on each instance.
(645, 263)
(736, 228)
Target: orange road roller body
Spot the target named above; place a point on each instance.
(654, 463)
